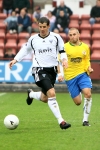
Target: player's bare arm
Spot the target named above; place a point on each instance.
(60, 76)
(12, 63)
(65, 63)
(64, 60)
(90, 69)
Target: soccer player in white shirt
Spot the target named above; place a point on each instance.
(45, 47)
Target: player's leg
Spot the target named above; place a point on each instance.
(86, 85)
(74, 91)
(53, 104)
(87, 105)
(40, 96)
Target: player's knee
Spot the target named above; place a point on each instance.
(78, 103)
(51, 93)
(77, 100)
(88, 95)
(45, 100)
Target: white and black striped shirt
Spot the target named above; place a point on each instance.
(45, 50)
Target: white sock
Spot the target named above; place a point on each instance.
(35, 95)
(87, 108)
(53, 105)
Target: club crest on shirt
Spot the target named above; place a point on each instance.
(50, 41)
(44, 75)
(84, 52)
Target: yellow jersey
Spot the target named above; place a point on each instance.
(78, 59)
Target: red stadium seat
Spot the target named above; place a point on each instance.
(72, 25)
(2, 30)
(1, 6)
(2, 17)
(85, 26)
(2, 25)
(11, 45)
(85, 36)
(2, 35)
(11, 37)
(1, 52)
(33, 33)
(96, 73)
(96, 36)
(85, 18)
(23, 35)
(74, 18)
(95, 45)
(85, 31)
(35, 27)
(96, 26)
(64, 37)
(95, 55)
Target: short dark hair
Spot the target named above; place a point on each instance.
(44, 20)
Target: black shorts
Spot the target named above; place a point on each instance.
(45, 77)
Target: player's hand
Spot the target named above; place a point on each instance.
(90, 70)
(12, 63)
(65, 63)
(60, 77)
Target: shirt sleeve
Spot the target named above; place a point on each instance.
(60, 44)
(62, 52)
(87, 60)
(24, 51)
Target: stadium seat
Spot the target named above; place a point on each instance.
(11, 45)
(2, 17)
(64, 37)
(23, 35)
(35, 27)
(33, 33)
(96, 26)
(96, 73)
(74, 18)
(2, 35)
(11, 37)
(95, 55)
(2, 25)
(1, 53)
(85, 26)
(85, 36)
(95, 45)
(1, 6)
(96, 36)
(85, 18)
(85, 31)
(74, 25)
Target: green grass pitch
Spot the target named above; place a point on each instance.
(38, 129)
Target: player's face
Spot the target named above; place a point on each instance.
(74, 36)
(44, 29)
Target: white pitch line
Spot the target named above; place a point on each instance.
(1, 94)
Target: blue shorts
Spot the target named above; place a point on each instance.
(78, 83)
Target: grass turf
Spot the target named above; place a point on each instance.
(38, 129)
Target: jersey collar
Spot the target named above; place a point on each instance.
(45, 36)
(80, 43)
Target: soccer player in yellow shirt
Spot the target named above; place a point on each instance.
(77, 74)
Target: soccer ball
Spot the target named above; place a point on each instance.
(11, 122)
